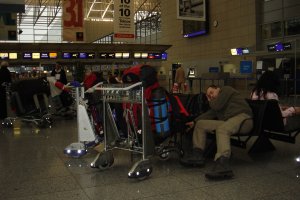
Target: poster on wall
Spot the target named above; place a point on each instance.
(191, 10)
(73, 21)
(124, 21)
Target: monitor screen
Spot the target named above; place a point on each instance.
(13, 56)
(83, 55)
(75, 55)
(4, 55)
(52, 55)
(91, 55)
(118, 55)
(27, 55)
(144, 55)
(239, 51)
(125, 55)
(110, 55)
(66, 55)
(137, 55)
(36, 56)
(245, 50)
(233, 52)
(44, 55)
(164, 56)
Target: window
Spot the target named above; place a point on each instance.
(292, 27)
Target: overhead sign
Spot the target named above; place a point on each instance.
(124, 21)
(73, 20)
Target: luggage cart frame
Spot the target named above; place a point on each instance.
(132, 94)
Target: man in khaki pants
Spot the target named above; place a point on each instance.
(228, 110)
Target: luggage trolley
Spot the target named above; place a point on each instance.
(86, 132)
(137, 141)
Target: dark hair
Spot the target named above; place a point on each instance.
(268, 82)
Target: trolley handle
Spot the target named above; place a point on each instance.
(92, 89)
(125, 88)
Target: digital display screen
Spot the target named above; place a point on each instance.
(52, 55)
(27, 55)
(125, 55)
(154, 55)
(118, 55)
(44, 55)
(13, 56)
(91, 55)
(36, 56)
(107, 55)
(144, 55)
(239, 51)
(74, 55)
(83, 55)
(4, 55)
(164, 56)
(137, 55)
(233, 52)
(66, 55)
(245, 51)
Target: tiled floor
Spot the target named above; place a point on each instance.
(33, 166)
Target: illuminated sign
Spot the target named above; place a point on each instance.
(137, 55)
(44, 55)
(125, 55)
(118, 55)
(35, 55)
(4, 55)
(13, 56)
(91, 55)
(144, 55)
(66, 55)
(83, 55)
(27, 55)
(164, 56)
(52, 55)
(74, 55)
(154, 55)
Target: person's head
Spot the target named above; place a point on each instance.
(88, 72)
(57, 66)
(212, 92)
(268, 82)
(4, 64)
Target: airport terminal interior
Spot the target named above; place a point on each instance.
(73, 139)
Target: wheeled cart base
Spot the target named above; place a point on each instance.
(103, 160)
(76, 150)
(140, 170)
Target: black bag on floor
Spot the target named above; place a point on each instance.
(66, 98)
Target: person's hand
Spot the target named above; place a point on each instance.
(190, 124)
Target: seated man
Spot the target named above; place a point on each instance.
(228, 110)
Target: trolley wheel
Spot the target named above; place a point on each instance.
(164, 154)
(103, 160)
(7, 123)
(140, 170)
